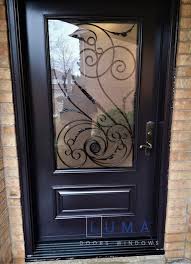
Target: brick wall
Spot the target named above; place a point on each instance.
(178, 222)
(5, 241)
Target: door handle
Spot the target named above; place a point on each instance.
(148, 146)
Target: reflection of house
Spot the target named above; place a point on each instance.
(61, 85)
(103, 73)
(107, 72)
(68, 97)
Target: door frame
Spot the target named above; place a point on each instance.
(21, 108)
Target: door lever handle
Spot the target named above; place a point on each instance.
(148, 146)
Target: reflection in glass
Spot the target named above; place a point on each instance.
(93, 70)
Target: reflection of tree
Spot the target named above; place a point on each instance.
(62, 58)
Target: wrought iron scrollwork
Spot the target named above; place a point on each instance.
(105, 142)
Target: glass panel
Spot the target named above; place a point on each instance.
(93, 69)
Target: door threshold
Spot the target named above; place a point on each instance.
(92, 249)
(158, 259)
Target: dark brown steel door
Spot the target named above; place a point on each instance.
(94, 81)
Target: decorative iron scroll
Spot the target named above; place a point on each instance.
(86, 139)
